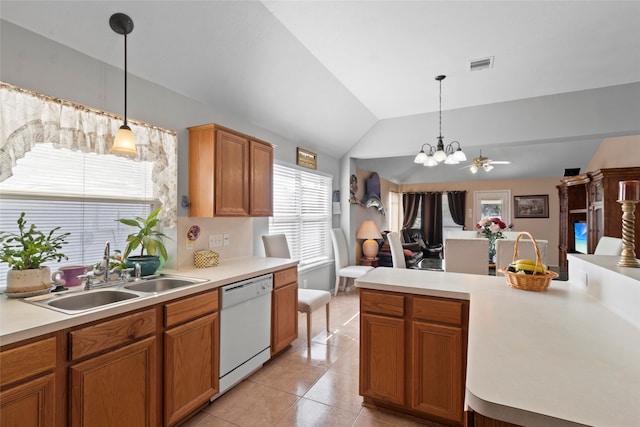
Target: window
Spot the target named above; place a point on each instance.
(490, 204)
(83, 193)
(302, 211)
(394, 213)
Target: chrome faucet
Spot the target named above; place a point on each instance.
(138, 271)
(105, 261)
(102, 271)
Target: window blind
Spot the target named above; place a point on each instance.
(83, 193)
(302, 211)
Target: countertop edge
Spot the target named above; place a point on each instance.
(25, 321)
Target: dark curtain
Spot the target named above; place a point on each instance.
(432, 217)
(410, 203)
(457, 206)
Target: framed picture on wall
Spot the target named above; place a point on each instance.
(531, 206)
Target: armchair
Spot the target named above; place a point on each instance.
(412, 253)
(414, 235)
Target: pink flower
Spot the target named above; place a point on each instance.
(495, 227)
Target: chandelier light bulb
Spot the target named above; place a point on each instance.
(430, 162)
(459, 155)
(421, 157)
(474, 168)
(451, 160)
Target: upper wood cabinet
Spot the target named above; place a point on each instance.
(230, 174)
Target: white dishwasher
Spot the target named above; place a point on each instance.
(245, 329)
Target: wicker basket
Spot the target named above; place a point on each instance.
(204, 259)
(538, 282)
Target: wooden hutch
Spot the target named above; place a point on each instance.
(592, 198)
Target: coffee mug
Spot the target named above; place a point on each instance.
(69, 275)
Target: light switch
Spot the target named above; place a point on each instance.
(226, 239)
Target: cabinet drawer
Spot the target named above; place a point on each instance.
(382, 303)
(190, 308)
(438, 310)
(111, 334)
(284, 277)
(27, 360)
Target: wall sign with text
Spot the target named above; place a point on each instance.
(307, 158)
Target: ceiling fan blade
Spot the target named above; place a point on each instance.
(500, 162)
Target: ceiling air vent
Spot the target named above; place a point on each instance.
(481, 64)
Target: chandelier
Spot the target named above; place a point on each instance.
(448, 154)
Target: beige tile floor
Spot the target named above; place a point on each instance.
(305, 387)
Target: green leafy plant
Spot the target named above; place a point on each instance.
(30, 247)
(147, 237)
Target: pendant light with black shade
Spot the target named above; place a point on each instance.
(125, 141)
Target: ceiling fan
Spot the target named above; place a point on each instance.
(485, 163)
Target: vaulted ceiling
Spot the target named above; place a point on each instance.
(324, 73)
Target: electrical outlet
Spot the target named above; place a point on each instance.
(304, 283)
(189, 245)
(215, 240)
(226, 239)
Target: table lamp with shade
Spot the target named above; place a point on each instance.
(369, 231)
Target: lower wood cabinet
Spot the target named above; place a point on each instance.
(191, 355)
(284, 309)
(383, 369)
(116, 388)
(29, 404)
(151, 367)
(413, 354)
(27, 385)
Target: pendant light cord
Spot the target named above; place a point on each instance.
(125, 79)
(440, 107)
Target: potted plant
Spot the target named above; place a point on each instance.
(26, 251)
(149, 239)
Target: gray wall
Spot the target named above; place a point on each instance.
(36, 63)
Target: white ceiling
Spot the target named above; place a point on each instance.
(322, 73)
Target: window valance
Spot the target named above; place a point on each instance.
(28, 118)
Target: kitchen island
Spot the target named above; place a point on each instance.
(555, 358)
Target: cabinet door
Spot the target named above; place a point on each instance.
(231, 175)
(261, 188)
(29, 404)
(437, 370)
(190, 366)
(284, 316)
(117, 388)
(382, 355)
(201, 166)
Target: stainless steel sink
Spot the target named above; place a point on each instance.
(78, 302)
(84, 301)
(161, 284)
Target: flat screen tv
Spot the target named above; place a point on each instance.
(580, 232)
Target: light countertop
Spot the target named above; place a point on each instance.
(20, 320)
(537, 358)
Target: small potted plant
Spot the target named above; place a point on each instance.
(25, 252)
(149, 239)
